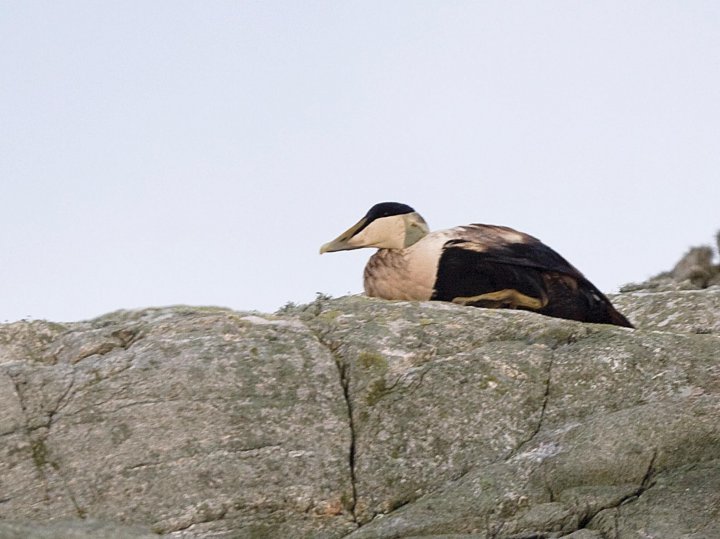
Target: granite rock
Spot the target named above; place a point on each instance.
(364, 418)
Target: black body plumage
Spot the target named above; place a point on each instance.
(533, 269)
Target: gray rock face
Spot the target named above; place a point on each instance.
(175, 418)
(365, 418)
(72, 529)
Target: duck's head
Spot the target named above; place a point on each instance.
(388, 225)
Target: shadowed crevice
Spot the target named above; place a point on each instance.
(38, 439)
(646, 483)
(543, 407)
(345, 384)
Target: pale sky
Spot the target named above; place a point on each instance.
(176, 152)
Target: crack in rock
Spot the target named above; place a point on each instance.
(37, 436)
(62, 401)
(645, 484)
(546, 398)
(345, 384)
(543, 407)
(72, 349)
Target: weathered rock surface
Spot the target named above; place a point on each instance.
(173, 418)
(365, 418)
(72, 529)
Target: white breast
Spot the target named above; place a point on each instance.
(407, 274)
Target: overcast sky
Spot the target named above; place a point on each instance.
(176, 152)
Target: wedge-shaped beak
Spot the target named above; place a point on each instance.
(344, 241)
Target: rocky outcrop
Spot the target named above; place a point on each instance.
(175, 419)
(695, 270)
(365, 418)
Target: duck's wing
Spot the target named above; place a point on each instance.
(498, 267)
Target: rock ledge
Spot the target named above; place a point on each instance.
(365, 418)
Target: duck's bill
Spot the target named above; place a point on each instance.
(344, 242)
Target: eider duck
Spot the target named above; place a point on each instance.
(478, 265)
